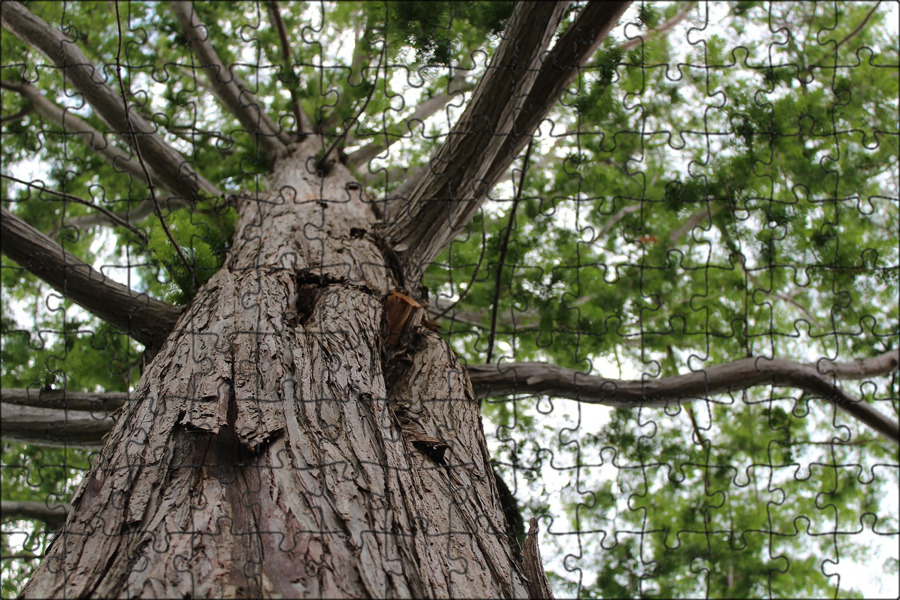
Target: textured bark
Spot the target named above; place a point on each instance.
(523, 82)
(147, 320)
(271, 450)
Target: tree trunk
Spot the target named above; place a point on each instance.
(283, 443)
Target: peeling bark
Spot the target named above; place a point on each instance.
(264, 453)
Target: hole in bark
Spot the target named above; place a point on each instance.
(309, 291)
(433, 449)
(307, 296)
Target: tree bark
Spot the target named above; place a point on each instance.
(277, 446)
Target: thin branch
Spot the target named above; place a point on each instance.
(536, 378)
(53, 427)
(21, 556)
(668, 25)
(695, 219)
(105, 212)
(858, 28)
(65, 399)
(361, 111)
(132, 215)
(53, 515)
(422, 112)
(228, 87)
(360, 57)
(73, 125)
(137, 150)
(28, 109)
(146, 320)
(291, 79)
(167, 164)
(438, 315)
(503, 249)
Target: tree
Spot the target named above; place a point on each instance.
(302, 248)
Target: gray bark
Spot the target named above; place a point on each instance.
(275, 447)
(54, 427)
(817, 379)
(521, 85)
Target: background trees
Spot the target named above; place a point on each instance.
(720, 182)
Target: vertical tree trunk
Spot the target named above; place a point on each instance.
(278, 446)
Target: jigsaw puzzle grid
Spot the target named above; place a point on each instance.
(651, 286)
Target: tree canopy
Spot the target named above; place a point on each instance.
(715, 198)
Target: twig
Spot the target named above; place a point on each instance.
(503, 249)
(137, 151)
(106, 212)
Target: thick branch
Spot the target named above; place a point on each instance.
(444, 197)
(53, 515)
(520, 87)
(67, 400)
(288, 76)
(579, 42)
(147, 320)
(52, 427)
(167, 164)
(535, 378)
(227, 86)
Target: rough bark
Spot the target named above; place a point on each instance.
(522, 84)
(147, 320)
(272, 450)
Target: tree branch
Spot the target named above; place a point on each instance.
(52, 427)
(228, 87)
(53, 515)
(147, 320)
(107, 214)
(290, 77)
(670, 24)
(515, 94)
(422, 112)
(73, 125)
(167, 164)
(814, 378)
(65, 399)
